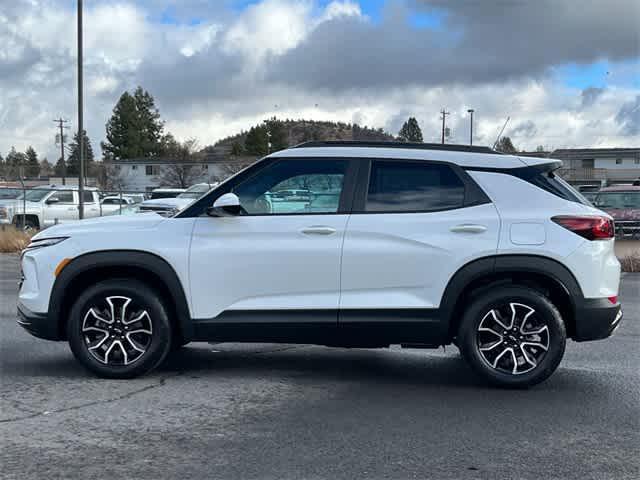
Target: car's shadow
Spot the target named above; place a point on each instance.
(322, 364)
(311, 365)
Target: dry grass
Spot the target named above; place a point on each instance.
(631, 263)
(13, 240)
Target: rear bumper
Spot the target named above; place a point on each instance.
(37, 324)
(596, 319)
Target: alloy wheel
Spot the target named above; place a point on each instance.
(116, 331)
(512, 338)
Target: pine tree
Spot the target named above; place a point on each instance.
(236, 149)
(257, 141)
(14, 163)
(277, 135)
(150, 121)
(46, 169)
(32, 168)
(505, 146)
(59, 169)
(410, 131)
(73, 161)
(135, 129)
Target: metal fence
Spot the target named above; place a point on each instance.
(43, 206)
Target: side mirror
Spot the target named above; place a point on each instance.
(52, 200)
(227, 205)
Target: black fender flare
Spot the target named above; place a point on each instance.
(145, 261)
(508, 263)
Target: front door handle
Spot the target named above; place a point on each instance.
(468, 228)
(318, 230)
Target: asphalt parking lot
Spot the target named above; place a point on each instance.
(290, 412)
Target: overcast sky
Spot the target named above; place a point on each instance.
(567, 72)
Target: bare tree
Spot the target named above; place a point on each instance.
(233, 166)
(108, 176)
(183, 172)
(180, 175)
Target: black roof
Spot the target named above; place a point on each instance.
(406, 145)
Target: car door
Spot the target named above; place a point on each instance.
(91, 204)
(282, 254)
(414, 224)
(61, 206)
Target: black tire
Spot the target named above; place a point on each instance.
(478, 329)
(93, 305)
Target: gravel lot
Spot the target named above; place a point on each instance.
(280, 412)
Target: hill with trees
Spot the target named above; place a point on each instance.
(281, 134)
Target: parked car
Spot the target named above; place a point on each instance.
(428, 245)
(114, 203)
(622, 202)
(136, 197)
(129, 209)
(8, 193)
(45, 206)
(170, 206)
(166, 192)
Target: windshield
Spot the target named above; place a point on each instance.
(34, 195)
(10, 192)
(195, 192)
(618, 200)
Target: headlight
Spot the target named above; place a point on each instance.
(45, 242)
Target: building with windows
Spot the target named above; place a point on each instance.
(596, 166)
(145, 174)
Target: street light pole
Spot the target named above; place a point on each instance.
(470, 111)
(80, 118)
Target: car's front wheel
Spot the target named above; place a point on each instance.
(119, 328)
(513, 336)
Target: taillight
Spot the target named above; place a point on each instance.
(591, 228)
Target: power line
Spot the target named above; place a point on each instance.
(61, 124)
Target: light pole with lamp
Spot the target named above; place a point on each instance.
(470, 112)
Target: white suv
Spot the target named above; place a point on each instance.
(417, 245)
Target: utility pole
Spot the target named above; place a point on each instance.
(470, 112)
(80, 118)
(444, 114)
(61, 124)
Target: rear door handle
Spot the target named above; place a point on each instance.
(318, 230)
(468, 228)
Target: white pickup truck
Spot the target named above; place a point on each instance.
(45, 206)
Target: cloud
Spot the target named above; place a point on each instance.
(629, 117)
(477, 42)
(216, 68)
(590, 95)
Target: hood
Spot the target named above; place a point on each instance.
(176, 203)
(16, 203)
(113, 223)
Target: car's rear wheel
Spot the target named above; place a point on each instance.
(512, 336)
(119, 328)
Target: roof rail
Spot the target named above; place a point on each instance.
(391, 144)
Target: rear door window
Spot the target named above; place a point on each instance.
(413, 187)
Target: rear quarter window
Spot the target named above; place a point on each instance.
(552, 183)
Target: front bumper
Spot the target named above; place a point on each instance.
(596, 319)
(37, 324)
